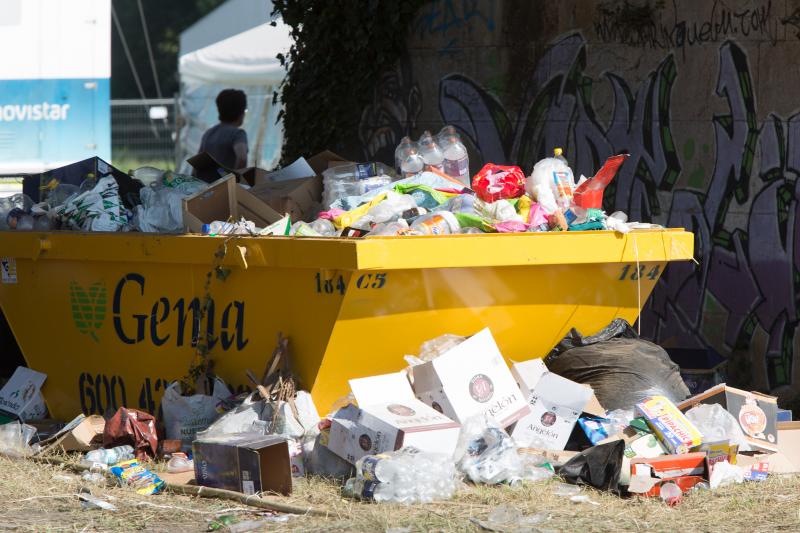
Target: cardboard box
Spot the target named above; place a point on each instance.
(676, 433)
(528, 373)
(22, 397)
(222, 200)
(755, 412)
(389, 417)
(686, 471)
(470, 379)
(207, 168)
(718, 451)
(555, 405)
(300, 198)
(243, 462)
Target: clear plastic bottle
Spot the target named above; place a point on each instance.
(445, 134)
(558, 153)
(413, 164)
(437, 223)
(456, 159)
(402, 151)
(389, 229)
(431, 152)
(109, 456)
(323, 227)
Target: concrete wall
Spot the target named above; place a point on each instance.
(702, 94)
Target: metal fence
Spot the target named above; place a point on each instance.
(143, 133)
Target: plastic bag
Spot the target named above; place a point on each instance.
(717, 424)
(723, 473)
(184, 416)
(14, 439)
(549, 184)
(7, 205)
(99, 209)
(621, 368)
(497, 182)
(133, 427)
(404, 476)
(485, 453)
(598, 466)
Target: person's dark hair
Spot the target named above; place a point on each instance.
(231, 104)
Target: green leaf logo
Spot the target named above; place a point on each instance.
(88, 307)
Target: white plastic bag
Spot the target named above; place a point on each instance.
(717, 424)
(487, 454)
(14, 439)
(99, 209)
(542, 186)
(185, 416)
(723, 473)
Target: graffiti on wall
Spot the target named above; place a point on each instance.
(750, 273)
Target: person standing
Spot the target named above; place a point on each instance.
(226, 142)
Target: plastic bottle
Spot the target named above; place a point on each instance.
(456, 159)
(323, 227)
(402, 152)
(303, 229)
(109, 456)
(398, 227)
(431, 152)
(413, 164)
(444, 135)
(437, 223)
(558, 153)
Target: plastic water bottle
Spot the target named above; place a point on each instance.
(431, 152)
(110, 456)
(402, 152)
(413, 163)
(456, 160)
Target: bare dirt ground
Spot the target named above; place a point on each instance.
(39, 497)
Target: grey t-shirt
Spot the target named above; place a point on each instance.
(219, 142)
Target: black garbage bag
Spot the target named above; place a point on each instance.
(621, 368)
(598, 466)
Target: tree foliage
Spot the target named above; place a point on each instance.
(340, 49)
(165, 20)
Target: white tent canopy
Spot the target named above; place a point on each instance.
(249, 58)
(246, 61)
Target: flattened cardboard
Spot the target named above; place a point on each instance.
(755, 412)
(22, 397)
(243, 462)
(87, 435)
(555, 405)
(222, 200)
(389, 417)
(470, 379)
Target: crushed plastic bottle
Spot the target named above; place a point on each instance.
(109, 456)
(303, 229)
(324, 227)
(398, 227)
(404, 476)
(219, 227)
(486, 453)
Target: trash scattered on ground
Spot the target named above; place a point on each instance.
(134, 428)
(137, 477)
(92, 502)
(510, 519)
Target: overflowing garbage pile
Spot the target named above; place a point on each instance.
(456, 415)
(429, 192)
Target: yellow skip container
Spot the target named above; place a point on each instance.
(112, 318)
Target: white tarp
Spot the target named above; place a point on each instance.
(247, 61)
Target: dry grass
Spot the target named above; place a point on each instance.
(36, 498)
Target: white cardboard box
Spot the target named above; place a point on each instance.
(555, 405)
(389, 418)
(470, 379)
(527, 374)
(22, 395)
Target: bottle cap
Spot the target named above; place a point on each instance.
(558, 151)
